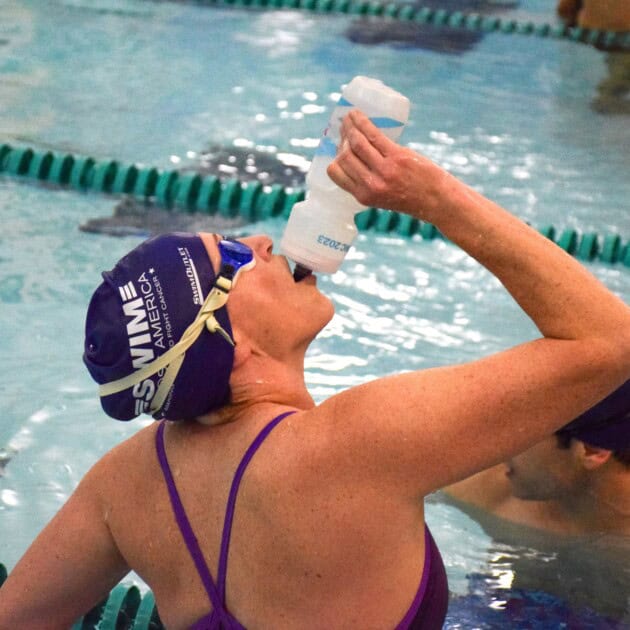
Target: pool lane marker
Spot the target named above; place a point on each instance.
(603, 39)
(252, 201)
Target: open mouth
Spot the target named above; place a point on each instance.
(300, 272)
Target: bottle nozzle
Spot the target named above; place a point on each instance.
(300, 272)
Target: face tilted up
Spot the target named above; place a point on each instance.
(268, 305)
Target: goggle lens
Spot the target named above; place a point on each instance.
(235, 257)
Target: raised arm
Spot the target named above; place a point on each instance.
(70, 566)
(451, 422)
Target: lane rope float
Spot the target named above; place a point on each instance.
(603, 39)
(252, 201)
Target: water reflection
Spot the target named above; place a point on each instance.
(587, 575)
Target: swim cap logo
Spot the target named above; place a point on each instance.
(191, 274)
(138, 335)
(138, 327)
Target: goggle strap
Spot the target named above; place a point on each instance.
(166, 383)
(215, 300)
(213, 326)
(224, 283)
(113, 387)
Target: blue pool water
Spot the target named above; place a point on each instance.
(156, 83)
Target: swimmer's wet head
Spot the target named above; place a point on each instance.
(153, 342)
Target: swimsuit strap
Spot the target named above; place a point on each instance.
(216, 596)
(229, 513)
(184, 524)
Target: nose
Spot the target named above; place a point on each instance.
(261, 245)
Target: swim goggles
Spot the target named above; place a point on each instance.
(235, 258)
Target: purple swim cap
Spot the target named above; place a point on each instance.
(607, 424)
(140, 310)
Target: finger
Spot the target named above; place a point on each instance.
(352, 157)
(354, 144)
(375, 137)
(341, 177)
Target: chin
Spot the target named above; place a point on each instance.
(324, 321)
(323, 311)
(316, 317)
(331, 311)
(525, 496)
(528, 494)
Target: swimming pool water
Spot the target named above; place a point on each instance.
(149, 82)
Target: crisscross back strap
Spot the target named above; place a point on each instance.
(229, 513)
(216, 592)
(184, 524)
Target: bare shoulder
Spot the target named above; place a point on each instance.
(317, 449)
(123, 466)
(128, 490)
(488, 489)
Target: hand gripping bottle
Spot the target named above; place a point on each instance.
(321, 228)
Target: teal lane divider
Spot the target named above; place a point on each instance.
(124, 609)
(439, 17)
(190, 192)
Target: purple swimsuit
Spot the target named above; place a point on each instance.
(428, 608)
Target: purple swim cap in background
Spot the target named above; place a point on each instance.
(140, 310)
(607, 424)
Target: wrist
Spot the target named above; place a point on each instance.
(444, 200)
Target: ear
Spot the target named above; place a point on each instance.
(592, 457)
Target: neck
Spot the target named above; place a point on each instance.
(603, 505)
(263, 383)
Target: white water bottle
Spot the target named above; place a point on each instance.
(321, 229)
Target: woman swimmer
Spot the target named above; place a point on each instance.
(324, 524)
